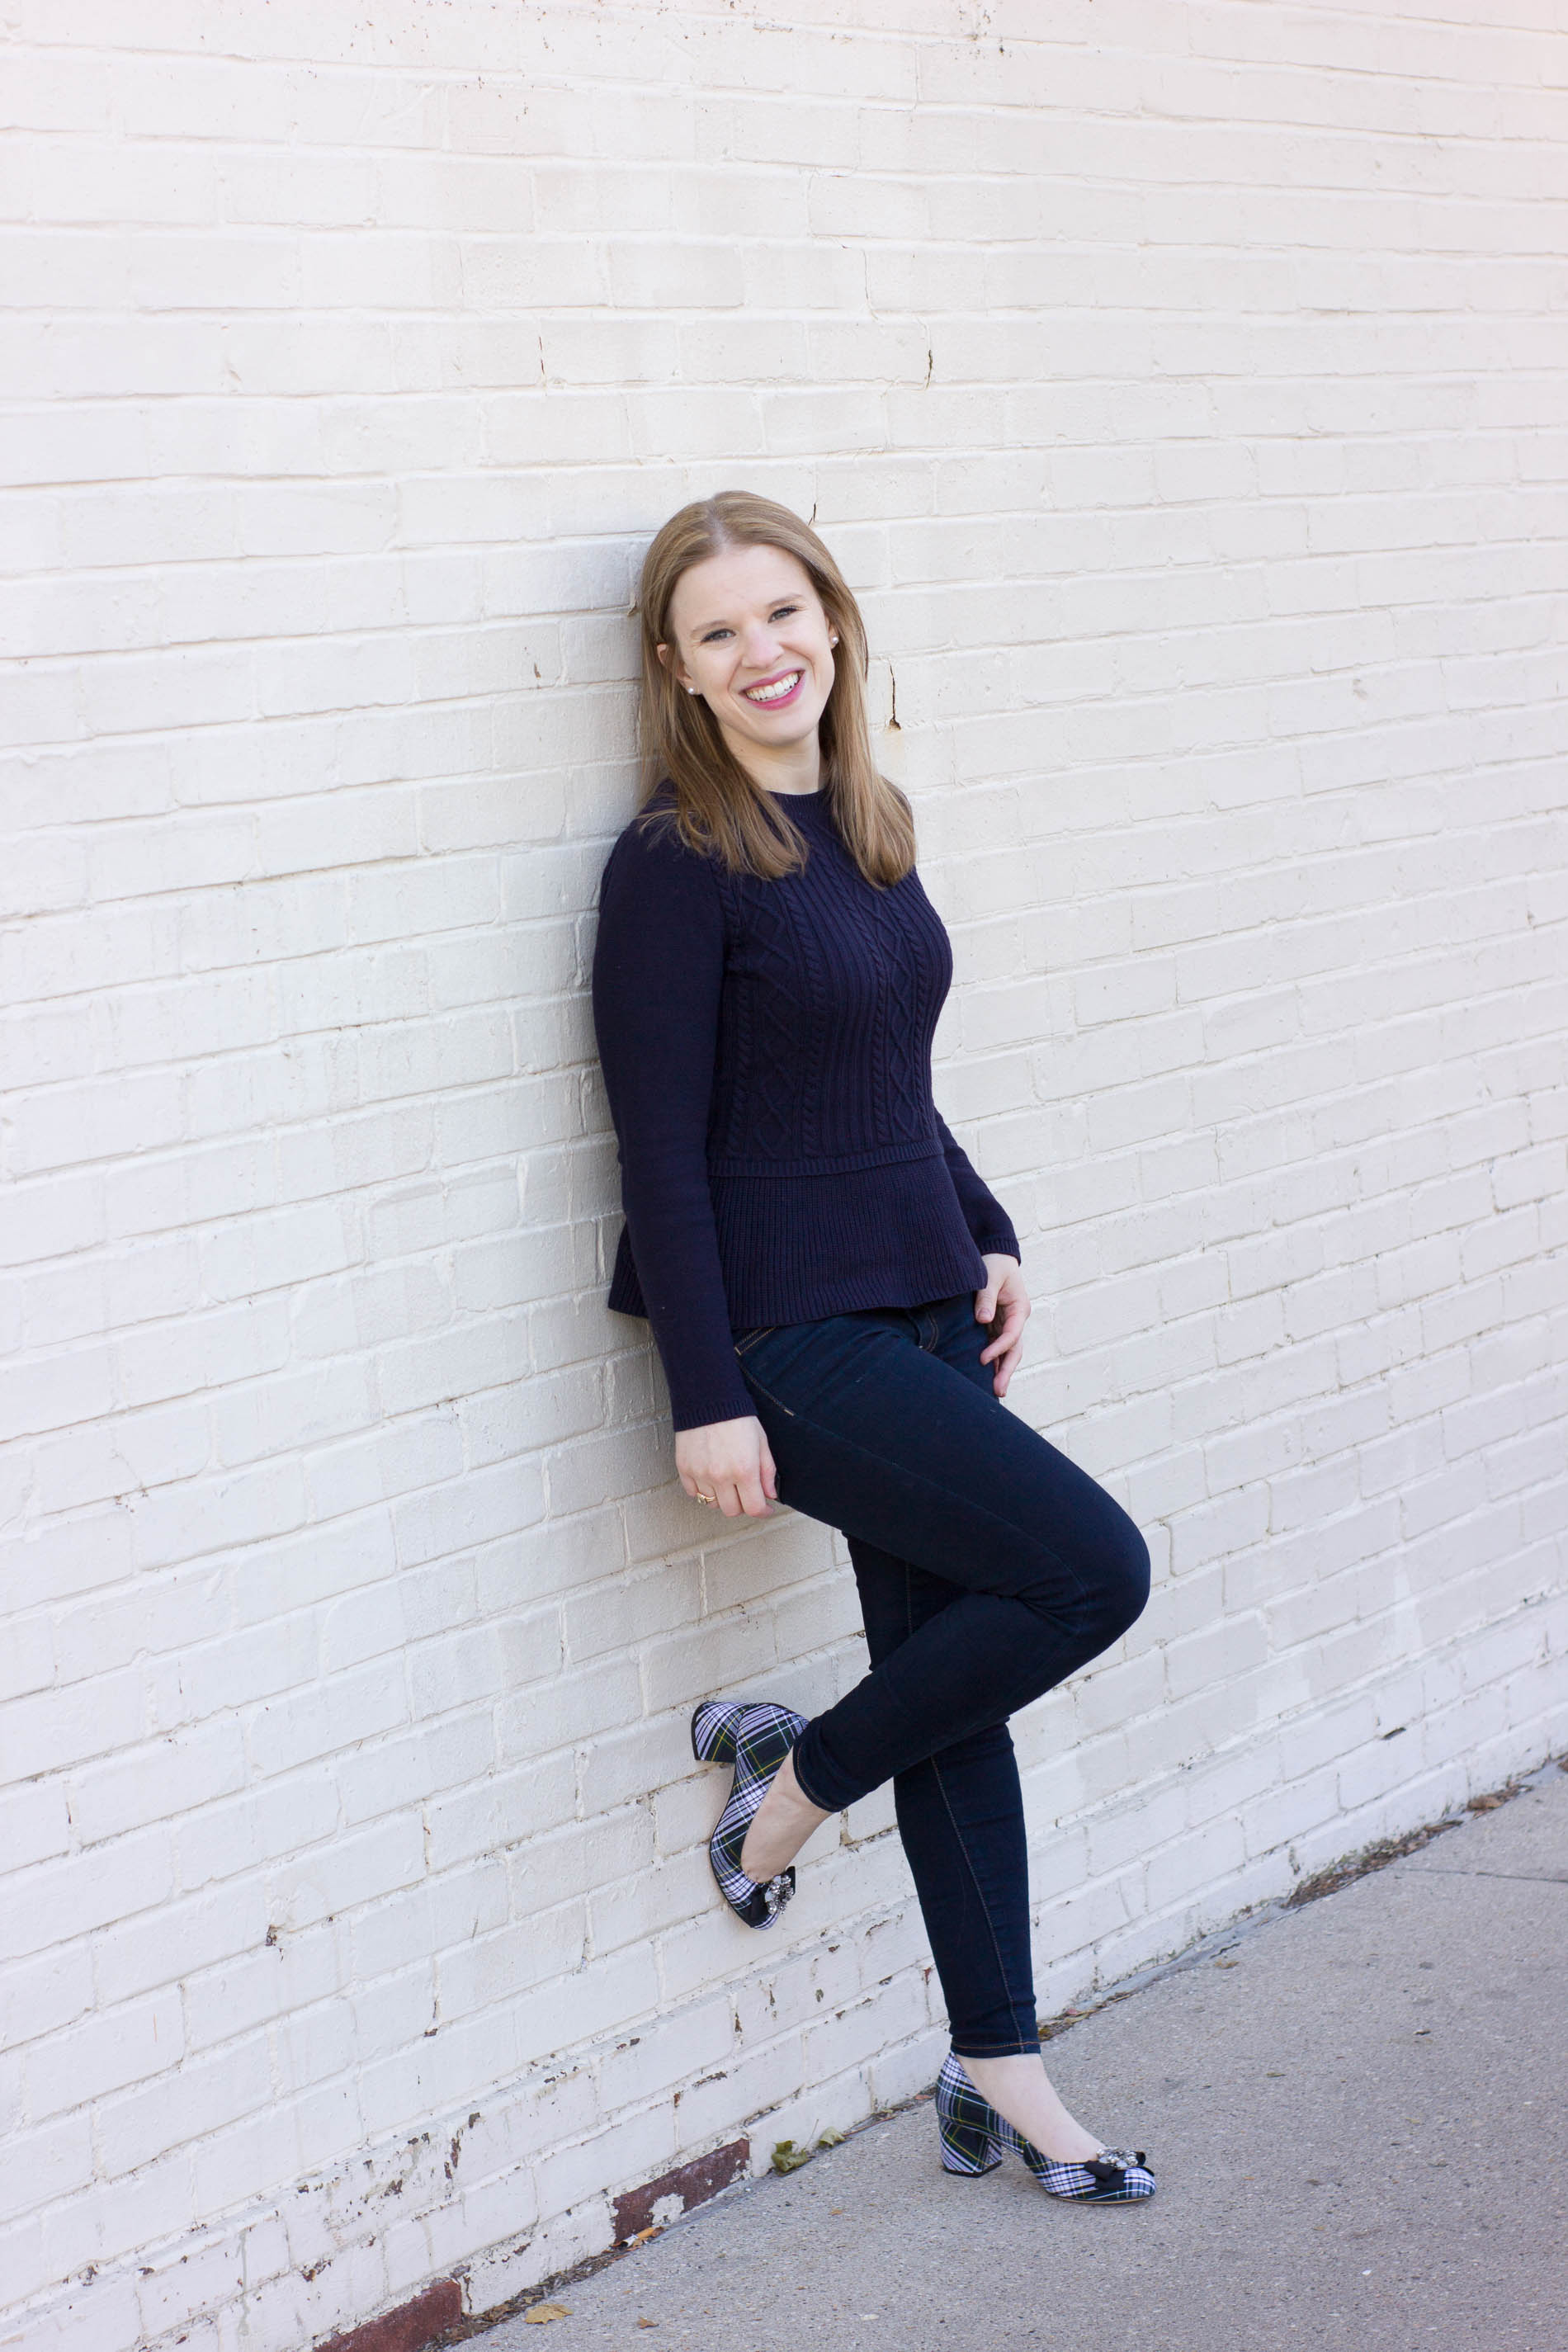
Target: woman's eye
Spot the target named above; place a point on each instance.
(780, 613)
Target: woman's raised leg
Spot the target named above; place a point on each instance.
(883, 1424)
(846, 1427)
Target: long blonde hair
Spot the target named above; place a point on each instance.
(718, 807)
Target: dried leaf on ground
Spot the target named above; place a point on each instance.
(538, 2313)
(831, 2137)
(788, 2158)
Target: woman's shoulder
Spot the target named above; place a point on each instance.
(653, 830)
(649, 854)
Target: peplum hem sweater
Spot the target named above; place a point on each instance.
(766, 1051)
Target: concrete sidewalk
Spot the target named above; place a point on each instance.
(1356, 2114)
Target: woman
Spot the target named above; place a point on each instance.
(835, 1296)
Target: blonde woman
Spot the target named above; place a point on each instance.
(835, 1296)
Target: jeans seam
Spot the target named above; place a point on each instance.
(952, 1817)
(753, 1382)
(974, 1880)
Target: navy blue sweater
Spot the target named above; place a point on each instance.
(766, 1050)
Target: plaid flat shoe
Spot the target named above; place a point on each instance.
(755, 1739)
(975, 2138)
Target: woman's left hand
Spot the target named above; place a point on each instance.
(1004, 1297)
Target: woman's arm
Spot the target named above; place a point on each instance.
(988, 1222)
(1003, 1302)
(658, 968)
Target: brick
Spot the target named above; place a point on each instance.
(410, 2327)
(50, 2162)
(675, 2192)
(144, 1785)
(120, 2047)
(50, 1727)
(67, 1897)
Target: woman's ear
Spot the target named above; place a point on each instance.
(671, 659)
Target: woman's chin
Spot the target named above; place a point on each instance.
(786, 733)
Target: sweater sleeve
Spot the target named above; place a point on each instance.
(988, 1222)
(658, 968)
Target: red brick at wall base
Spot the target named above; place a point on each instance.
(693, 2183)
(414, 2325)
(408, 2328)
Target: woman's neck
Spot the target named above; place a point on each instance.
(789, 768)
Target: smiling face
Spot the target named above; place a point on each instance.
(749, 633)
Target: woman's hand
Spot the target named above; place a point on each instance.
(1003, 1303)
(728, 1463)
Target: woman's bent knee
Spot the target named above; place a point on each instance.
(1113, 1583)
(1127, 1581)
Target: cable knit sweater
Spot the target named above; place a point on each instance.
(766, 1050)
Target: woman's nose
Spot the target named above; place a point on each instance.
(759, 643)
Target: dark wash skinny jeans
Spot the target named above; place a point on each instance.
(990, 1568)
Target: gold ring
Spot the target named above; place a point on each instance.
(706, 1498)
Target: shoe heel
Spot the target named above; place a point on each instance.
(966, 2149)
(713, 1728)
(968, 2127)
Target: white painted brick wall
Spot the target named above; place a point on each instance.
(1183, 388)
